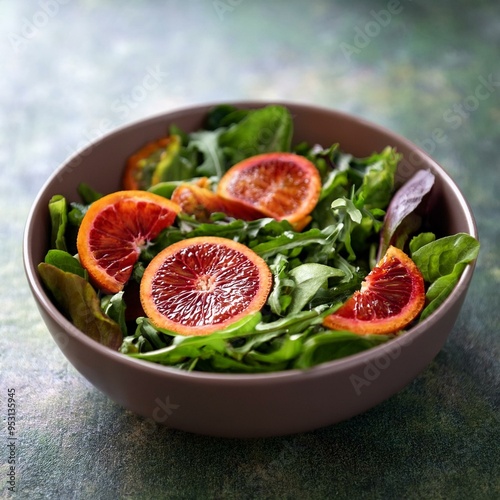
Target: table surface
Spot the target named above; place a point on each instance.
(427, 70)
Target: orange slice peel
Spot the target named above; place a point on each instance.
(391, 297)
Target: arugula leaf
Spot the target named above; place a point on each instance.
(309, 278)
(378, 178)
(114, 306)
(280, 296)
(207, 143)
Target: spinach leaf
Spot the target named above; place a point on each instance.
(441, 263)
(66, 262)
(262, 130)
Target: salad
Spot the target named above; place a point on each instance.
(317, 261)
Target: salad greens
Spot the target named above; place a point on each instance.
(314, 271)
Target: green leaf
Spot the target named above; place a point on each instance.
(66, 262)
(420, 240)
(262, 130)
(288, 241)
(88, 194)
(284, 348)
(58, 209)
(114, 306)
(207, 143)
(165, 189)
(331, 345)
(79, 301)
(280, 296)
(438, 258)
(76, 214)
(309, 278)
(378, 180)
(441, 263)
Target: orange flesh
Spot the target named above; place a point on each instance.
(200, 285)
(113, 231)
(201, 203)
(281, 185)
(392, 295)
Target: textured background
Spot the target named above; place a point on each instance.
(71, 70)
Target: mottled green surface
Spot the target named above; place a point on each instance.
(70, 70)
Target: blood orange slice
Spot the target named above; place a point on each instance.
(200, 285)
(280, 185)
(391, 297)
(144, 168)
(113, 231)
(201, 203)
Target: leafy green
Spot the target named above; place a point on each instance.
(309, 278)
(207, 143)
(114, 306)
(58, 210)
(66, 262)
(263, 130)
(441, 263)
(88, 194)
(331, 345)
(79, 301)
(313, 271)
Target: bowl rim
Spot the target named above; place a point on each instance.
(339, 365)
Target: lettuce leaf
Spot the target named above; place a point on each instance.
(79, 301)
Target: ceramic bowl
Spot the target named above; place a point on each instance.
(234, 405)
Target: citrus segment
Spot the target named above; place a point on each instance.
(390, 298)
(200, 285)
(281, 185)
(144, 168)
(201, 203)
(114, 229)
